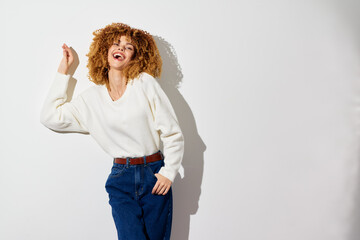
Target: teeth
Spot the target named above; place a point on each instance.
(117, 55)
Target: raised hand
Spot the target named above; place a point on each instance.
(67, 60)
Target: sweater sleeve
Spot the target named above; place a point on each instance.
(170, 133)
(62, 116)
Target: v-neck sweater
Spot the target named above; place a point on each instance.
(131, 126)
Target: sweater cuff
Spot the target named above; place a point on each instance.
(60, 83)
(63, 77)
(168, 173)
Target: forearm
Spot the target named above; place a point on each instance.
(173, 152)
(56, 113)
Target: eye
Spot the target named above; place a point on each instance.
(129, 48)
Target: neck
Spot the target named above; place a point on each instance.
(117, 81)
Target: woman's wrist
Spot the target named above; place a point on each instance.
(65, 72)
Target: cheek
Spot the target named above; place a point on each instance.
(109, 58)
(110, 50)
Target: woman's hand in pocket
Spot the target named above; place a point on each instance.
(162, 185)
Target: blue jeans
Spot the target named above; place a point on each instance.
(138, 214)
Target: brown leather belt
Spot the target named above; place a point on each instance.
(140, 160)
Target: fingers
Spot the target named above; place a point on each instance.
(155, 188)
(66, 50)
(64, 46)
(66, 61)
(64, 53)
(161, 187)
(68, 55)
(166, 189)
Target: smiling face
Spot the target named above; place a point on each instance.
(120, 53)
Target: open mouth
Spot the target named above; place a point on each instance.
(119, 56)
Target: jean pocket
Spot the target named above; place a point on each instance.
(154, 167)
(117, 170)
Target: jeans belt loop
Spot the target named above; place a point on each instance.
(144, 160)
(127, 162)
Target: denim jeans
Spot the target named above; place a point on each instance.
(138, 214)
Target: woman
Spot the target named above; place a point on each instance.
(127, 113)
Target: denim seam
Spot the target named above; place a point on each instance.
(168, 216)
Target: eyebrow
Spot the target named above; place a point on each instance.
(126, 43)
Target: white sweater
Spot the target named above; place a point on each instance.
(131, 126)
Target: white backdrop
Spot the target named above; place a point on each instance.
(267, 94)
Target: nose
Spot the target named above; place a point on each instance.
(121, 48)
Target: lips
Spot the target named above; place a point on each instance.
(119, 56)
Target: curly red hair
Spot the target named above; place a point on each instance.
(146, 56)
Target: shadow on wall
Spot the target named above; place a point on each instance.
(349, 10)
(186, 191)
